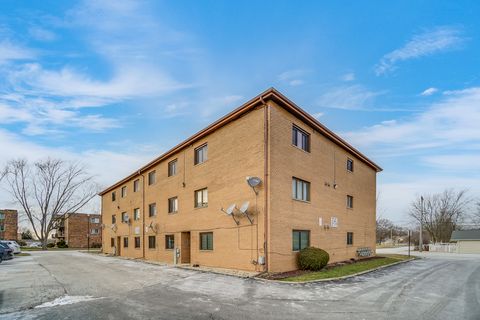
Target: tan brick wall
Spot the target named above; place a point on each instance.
(234, 152)
(10, 224)
(325, 161)
(78, 227)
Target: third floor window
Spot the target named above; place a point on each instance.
(172, 168)
(201, 154)
(300, 138)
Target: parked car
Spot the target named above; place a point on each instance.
(6, 252)
(34, 245)
(13, 245)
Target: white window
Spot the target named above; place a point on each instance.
(172, 168)
(136, 185)
(124, 191)
(94, 220)
(201, 154)
(136, 214)
(201, 198)
(300, 189)
(124, 217)
(173, 205)
(152, 209)
(151, 178)
(94, 231)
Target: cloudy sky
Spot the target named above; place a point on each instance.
(116, 83)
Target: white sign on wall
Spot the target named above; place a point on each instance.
(334, 222)
(137, 230)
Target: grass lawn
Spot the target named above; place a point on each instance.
(349, 269)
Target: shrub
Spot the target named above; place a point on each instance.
(62, 244)
(312, 259)
(50, 245)
(22, 243)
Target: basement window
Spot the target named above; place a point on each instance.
(300, 239)
(349, 238)
(137, 242)
(151, 242)
(169, 241)
(206, 241)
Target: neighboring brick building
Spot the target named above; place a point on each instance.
(8, 224)
(79, 230)
(315, 190)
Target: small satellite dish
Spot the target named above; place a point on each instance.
(254, 181)
(244, 207)
(230, 209)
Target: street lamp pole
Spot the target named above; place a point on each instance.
(420, 237)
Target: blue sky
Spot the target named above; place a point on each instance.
(116, 83)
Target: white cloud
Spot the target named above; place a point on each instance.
(429, 91)
(10, 52)
(452, 122)
(348, 77)
(41, 34)
(427, 43)
(293, 77)
(354, 97)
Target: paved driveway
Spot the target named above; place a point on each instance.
(442, 287)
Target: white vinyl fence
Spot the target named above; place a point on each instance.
(443, 247)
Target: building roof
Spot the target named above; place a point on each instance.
(270, 94)
(465, 235)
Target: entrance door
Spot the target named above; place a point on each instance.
(119, 244)
(185, 248)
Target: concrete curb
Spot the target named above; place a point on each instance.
(337, 278)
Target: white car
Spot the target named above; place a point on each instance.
(13, 245)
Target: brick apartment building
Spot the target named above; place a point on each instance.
(8, 224)
(193, 204)
(80, 230)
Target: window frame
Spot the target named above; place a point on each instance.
(150, 238)
(349, 238)
(349, 201)
(203, 204)
(139, 244)
(299, 132)
(172, 168)
(123, 191)
(300, 232)
(95, 233)
(304, 184)
(114, 196)
(136, 185)
(169, 240)
(207, 247)
(152, 177)
(125, 214)
(125, 242)
(94, 220)
(114, 218)
(204, 154)
(175, 205)
(150, 206)
(136, 214)
(350, 167)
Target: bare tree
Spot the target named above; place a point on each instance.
(442, 213)
(48, 191)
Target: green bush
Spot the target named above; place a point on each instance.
(50, 245)
(62, 244)
(22, 243)
(312, 259)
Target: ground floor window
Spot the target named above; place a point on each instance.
(125, 242)
(137, 242)
(112, 242)
(349, 238)
(206, 241)
(300, 239)
(151, 242)
(169, 241)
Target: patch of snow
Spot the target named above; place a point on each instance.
(66, 300)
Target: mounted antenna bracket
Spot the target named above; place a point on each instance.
(229, 212)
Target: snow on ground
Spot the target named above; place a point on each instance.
(66, 300)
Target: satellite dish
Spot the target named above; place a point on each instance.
(230, 209)
(244, 207)
(254, 181)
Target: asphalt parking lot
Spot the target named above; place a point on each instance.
(76, 285)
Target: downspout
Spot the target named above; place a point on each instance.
(266, 114)
(143, 214)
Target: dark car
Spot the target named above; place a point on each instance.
(6, 252)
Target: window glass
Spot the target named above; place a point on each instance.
(350, 165)
(300, 239)
(151, 242)
(349, 238)
(349, 202)
(300, 189)
(137, 242)
(136, 214)
(169, 241)
(206, 241)
(300, 138)
(172, 168)
(201, 198)
(152, 209)
(151, 178)
(173, 205)
(125, 242)
(124, 191)
(201, 154)
(136, 185)
(113, 196)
